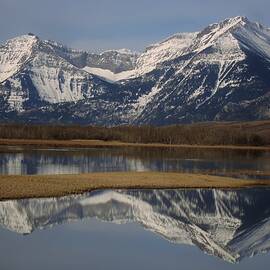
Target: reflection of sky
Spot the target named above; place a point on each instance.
(98, 245)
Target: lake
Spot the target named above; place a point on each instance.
(138, 229)
(247, 163)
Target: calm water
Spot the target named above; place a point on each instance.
(61, 161)
(146, 229)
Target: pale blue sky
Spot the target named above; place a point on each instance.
(103, 24)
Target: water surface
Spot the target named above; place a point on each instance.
(16, 160)
(138, 229)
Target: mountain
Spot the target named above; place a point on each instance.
(219, 77)
(232, 225)
(221, 73)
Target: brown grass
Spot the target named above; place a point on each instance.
(16, 187)
(100, 143)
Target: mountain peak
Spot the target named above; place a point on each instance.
(237, 19)
(224, 26)
(14, 53)
(32, 35)
(231, 22)
(23, 38)
(234, 33)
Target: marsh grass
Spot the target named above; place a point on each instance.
(33, 186)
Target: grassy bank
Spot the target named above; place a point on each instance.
(99, 143)
(15, 187)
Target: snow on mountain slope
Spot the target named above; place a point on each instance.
(237, 32)
(255, 38)
(218, 62)
(56, 80)
(225, 52)
(154, 55)
(55, 73)
(229, 224)
(203, 76)
(112, 65)
(207, 37)
(166, 50)
(108, 75)
(223, 36)
(47, 73)
(14, 54)
(114, 60)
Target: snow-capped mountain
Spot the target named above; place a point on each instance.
(214, 78)
(35, 71)
(232, 225)
(219, 73)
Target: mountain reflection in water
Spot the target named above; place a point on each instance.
(229, 224)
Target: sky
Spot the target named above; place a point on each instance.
(97, 25)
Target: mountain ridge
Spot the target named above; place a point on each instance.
(189, 77)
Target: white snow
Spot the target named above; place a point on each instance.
(212, 33)
(255, 38)
(145, 99)
(16, 96)
(154, 55)
(198, 91)
(15, 101)
(163, 51)
(109, 75)
(233, 33)
(56, 81)
(226, 40)
(14, 53)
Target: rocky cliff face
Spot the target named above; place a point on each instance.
(220, 73)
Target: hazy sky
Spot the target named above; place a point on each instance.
(104, 24)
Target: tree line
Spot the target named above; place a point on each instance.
(199, 134)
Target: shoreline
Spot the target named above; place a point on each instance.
(99, 143)
(43, 186)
